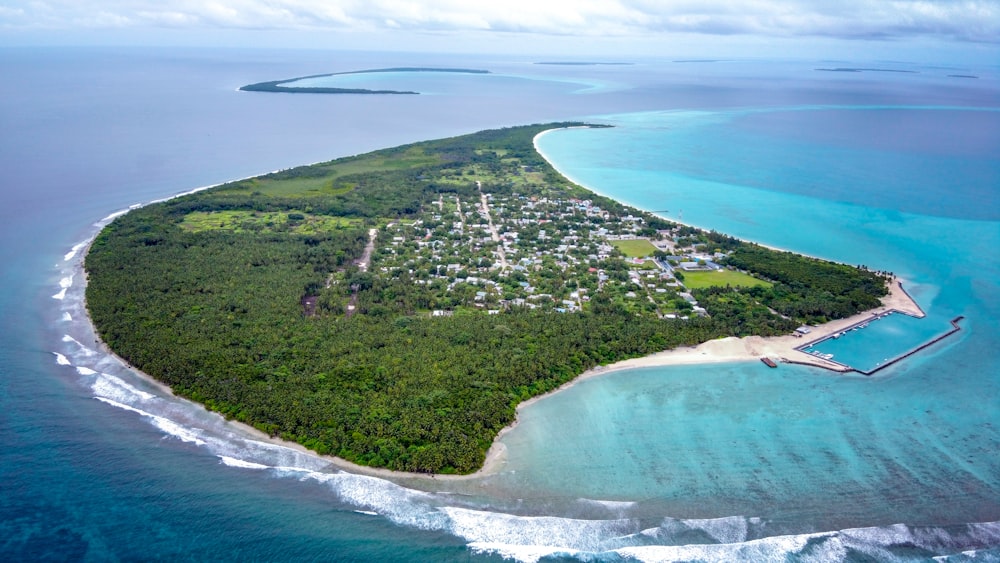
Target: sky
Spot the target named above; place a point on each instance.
(888, 28)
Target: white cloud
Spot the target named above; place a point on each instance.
(966, 20)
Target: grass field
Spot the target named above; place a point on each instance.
(721, 278)
(241, 221)
(637, 248)
(323, 179)
(647, 264)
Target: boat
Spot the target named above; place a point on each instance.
(769, 362)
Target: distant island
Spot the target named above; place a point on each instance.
(853, 69)
(279, 85)
(581, 63)
(393, 309)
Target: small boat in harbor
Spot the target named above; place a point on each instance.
(769, 362)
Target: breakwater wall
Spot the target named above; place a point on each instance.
(955, 327)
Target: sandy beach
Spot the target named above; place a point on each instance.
(734, 349)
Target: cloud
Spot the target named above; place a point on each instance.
(962, 20)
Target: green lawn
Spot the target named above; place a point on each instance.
(260, 221)
(637, 248)
(721, 278)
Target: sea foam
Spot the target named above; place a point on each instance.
(81, 348)
(168, 426)
(777, 548)
(407, 507)
(73, 251)
(484, 527)
(521, 553)
(233, 462)
(111, 217)
(111, 387)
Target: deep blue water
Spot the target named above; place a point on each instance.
(896, 171)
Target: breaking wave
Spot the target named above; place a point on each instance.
(73, 251)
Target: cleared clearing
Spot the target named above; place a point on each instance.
(721, 278)
(263, 221)
(637, 248)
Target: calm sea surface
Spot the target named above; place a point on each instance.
(898, 171)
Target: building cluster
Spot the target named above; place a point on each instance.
(497, 252)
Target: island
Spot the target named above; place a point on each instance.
(393, 309)
(582, 63)
(280, 85)
(854, 69)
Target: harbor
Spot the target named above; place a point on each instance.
(865, 344)
(842, 350)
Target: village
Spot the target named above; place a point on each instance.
(563, 255)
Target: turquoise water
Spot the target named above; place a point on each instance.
(724, 462)
(797, 446)
(803, 188)
(874, 344)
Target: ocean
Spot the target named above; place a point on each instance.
(899, 171)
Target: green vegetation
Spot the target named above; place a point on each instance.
(809, 288)
(280, 85)
(490, 280)
(239, 221)
(634, 248)
(721, 278)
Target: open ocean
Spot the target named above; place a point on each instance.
(896, 170)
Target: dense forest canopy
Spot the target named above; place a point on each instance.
(394, 308)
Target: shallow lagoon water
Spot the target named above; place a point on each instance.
(727, 461)
(794, 443)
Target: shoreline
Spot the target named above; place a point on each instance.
(724, 350)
